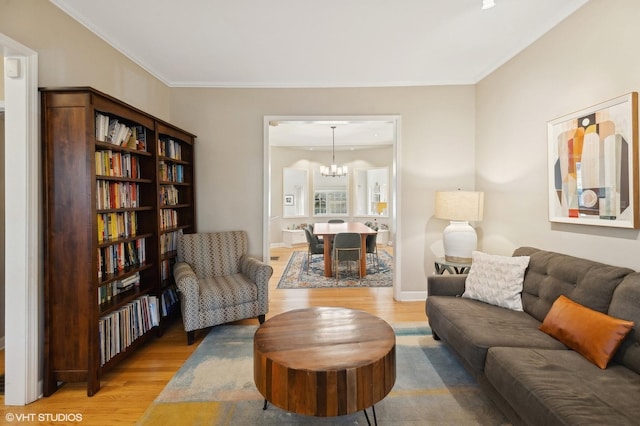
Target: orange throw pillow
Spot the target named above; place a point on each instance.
(594, 335)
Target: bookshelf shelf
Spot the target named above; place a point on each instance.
(113, 241)
(108, 278)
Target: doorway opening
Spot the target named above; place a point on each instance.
(298, 146)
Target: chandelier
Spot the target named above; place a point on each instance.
(333, 170)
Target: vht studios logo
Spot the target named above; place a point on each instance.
(43, 417)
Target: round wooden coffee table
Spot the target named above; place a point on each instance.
(324, 361)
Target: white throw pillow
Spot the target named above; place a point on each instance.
(496, 279)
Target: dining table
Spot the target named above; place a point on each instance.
(329, 230)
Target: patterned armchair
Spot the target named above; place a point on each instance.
(218, 281)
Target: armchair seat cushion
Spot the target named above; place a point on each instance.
(226, 290)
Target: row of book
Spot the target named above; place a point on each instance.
(116, 225)
(170, 149)
(169, 302)
(168, 195)
(166, 268)
(168, 218)
(117, 257)
(113, 131)
(118, 330)
(107, 291)
(110, 163)
(168, 242)
(117, 195)
(171, 172)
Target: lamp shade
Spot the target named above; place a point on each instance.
(459, 238)
(381, 206)
(459, 205)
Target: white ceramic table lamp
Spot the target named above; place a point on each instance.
(460, 207)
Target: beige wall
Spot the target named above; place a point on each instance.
(70, 55)
(436, 152)
(492, 134)
(591, 57)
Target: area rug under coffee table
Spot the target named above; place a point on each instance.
(215, 387)
(297, 276)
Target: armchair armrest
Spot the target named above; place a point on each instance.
(446, 285)
(187, 283)
(260, 273)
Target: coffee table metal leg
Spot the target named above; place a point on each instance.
(264, 407)
(375, 420)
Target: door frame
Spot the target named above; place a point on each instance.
(23, 254)
(395, 182)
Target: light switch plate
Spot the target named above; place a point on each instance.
(12, 67)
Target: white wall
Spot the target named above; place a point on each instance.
(436, 152)
(591, 57)
(310, 161)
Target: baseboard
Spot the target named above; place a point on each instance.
(411, 296)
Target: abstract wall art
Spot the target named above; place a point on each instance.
(593, 165)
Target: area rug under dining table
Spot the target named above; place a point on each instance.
(296, 274)
(215, 387)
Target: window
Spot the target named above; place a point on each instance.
(330, 195)
(330, 202)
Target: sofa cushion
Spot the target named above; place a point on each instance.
(551, 274)
(471, 327)
(551, 387)
(592, 334)
(496, 279)
(626, 304)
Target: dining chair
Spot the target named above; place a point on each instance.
(319, 240)
(372, 250)
(313, 246)
(347, 246)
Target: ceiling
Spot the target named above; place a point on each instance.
(329, 43)
(318, 135)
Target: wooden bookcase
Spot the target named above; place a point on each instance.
(104, 257)
(176, 205)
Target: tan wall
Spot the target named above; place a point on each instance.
(436, 152)
(70, 55)
(591, 57)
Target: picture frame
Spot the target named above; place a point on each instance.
(289, 200)
(593, 165)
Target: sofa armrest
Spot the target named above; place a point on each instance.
(260, 273)
(446, 285)
(187, 283)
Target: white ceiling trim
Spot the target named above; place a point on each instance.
(75, 14)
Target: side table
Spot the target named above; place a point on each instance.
(443, 265)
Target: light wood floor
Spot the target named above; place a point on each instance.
(129, 388)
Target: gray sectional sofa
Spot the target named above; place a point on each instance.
(534, 378)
